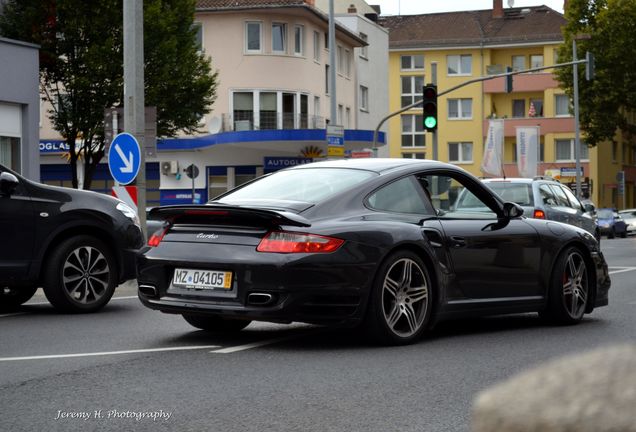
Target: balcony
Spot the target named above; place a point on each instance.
(246, 121)
(546, 124)
(523, 83)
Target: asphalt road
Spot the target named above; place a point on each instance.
(130, 368)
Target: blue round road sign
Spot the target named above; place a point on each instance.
(124, 158)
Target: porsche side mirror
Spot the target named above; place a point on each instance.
(512, 210)
(8, 183)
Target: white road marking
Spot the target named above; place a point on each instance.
(622, 270)
(234, 349)
(106, 353)
(12, 314)
(112, 299)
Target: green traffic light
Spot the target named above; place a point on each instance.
(430, 122)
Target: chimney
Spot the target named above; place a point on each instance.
(352, 9)
(497, 9)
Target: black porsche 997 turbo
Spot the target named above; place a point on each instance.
(376, 243)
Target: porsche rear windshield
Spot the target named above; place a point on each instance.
(309, 185)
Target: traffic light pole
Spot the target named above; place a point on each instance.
(472, 81)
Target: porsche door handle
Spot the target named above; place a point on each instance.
(457, 242)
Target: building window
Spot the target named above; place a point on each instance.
(460, 109)
(268, 110)
(279, 38)
(536, 108)
(299, 40)
(419, 155)
(518, 62)
(317, 123)
(459, 64)
(347, 118)
(460, 152)
(339, 114)
(347, 63)
(243, 103)
(326, 40)
(316, 46)
(614, 152)
(562, 105)
(412, 87)
(364, 98)
(253, 37)
(412, 62)
(518, 108)
(536, 61)
(412, 130)
(565, 150)
(326, 79)
(198, 35)
(364, 52)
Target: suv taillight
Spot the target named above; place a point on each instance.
(539, 214)
(289, 242)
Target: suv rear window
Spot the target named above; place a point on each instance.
(520, 193)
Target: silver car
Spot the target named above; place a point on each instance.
(542, 198)
(629, 216)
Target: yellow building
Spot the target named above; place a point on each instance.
(449, 49)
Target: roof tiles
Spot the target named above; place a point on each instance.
(518, 25)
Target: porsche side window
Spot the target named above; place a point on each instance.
(452, 200)
(401, 196)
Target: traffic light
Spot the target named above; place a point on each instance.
(589, 66)
(429, 107)
(508, 82)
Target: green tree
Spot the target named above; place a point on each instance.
(81, 67)
(606, 103)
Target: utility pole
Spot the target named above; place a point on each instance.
(577, 140)
(332, 65)
(134, 92)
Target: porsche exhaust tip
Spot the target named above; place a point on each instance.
(148, 290)
(260, 299)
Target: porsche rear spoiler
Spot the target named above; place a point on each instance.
(176, 213)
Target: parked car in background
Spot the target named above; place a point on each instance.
(611, 223)
(78, 245)
(629, 217)
(373, 243)
(542, 198)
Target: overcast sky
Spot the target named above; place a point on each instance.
(415, 7)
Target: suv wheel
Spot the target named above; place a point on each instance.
(80, 275)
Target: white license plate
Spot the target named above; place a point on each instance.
(202, 279)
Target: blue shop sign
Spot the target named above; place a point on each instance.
(276, 163)
(53, 146)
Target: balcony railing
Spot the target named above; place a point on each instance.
(546, 124)
(246, 121)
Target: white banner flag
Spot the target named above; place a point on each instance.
(493, 154)
(527, 151)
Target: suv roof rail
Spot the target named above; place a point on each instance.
(544, 177)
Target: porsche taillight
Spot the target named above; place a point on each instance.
(156, 238)
(290, 242)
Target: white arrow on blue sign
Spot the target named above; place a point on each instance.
(124, 158)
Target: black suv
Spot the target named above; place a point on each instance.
(78, 245)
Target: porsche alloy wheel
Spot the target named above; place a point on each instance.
(401, 302)
(570, 288)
